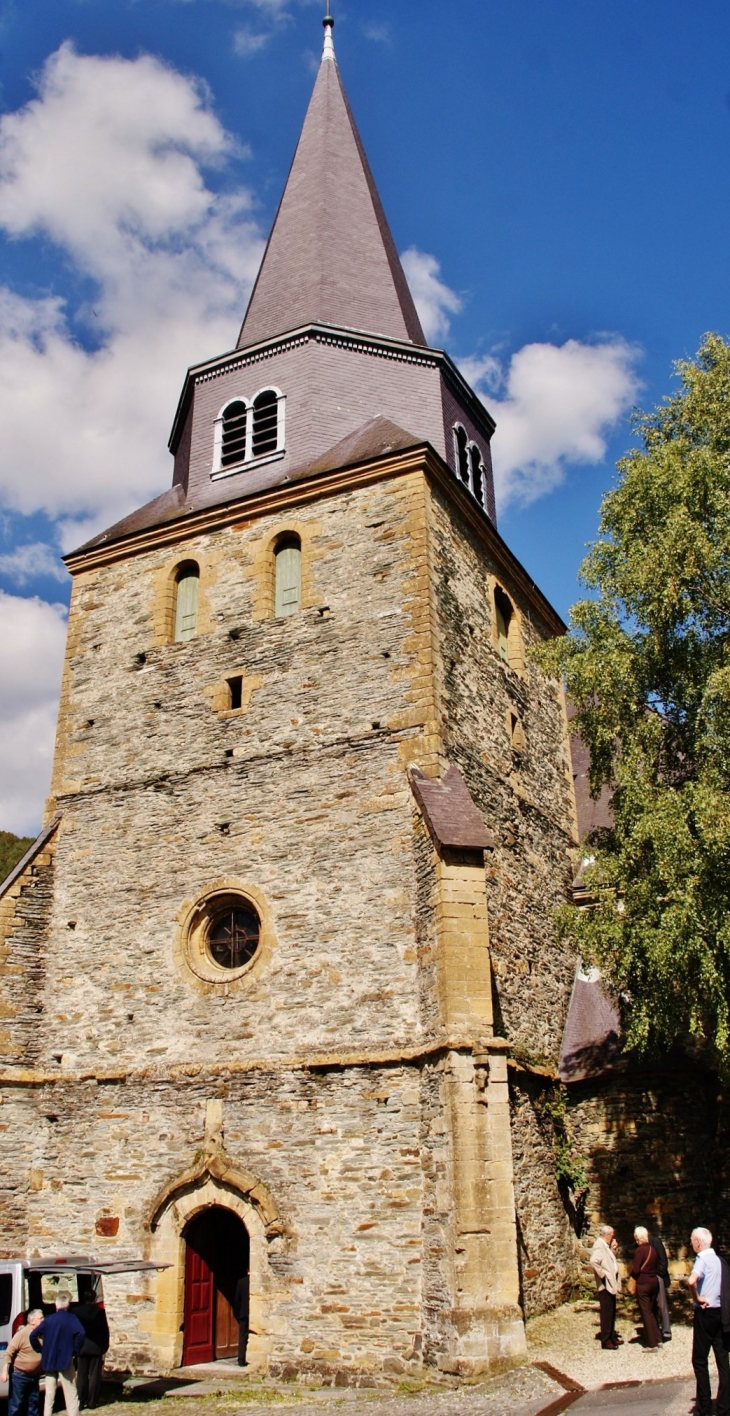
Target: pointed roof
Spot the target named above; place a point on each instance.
(331, 258)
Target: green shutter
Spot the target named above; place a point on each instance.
(288, 580)
(186, 607)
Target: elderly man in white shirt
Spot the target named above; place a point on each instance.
(706, 1282)
(605, 1266)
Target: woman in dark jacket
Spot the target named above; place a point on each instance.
(644, 1269)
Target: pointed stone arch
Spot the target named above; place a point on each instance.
(219, 1167)
(213, 1179)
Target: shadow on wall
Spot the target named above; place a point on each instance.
(656, 1146)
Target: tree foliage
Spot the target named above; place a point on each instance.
(647, 664)
(11, 849)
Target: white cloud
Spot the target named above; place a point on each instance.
(107, 161)
(378, 31)
(433, 299)
(246, 42)
(27, 562)
(557, 406)
(34, 636)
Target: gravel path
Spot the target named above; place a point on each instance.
(566, 1339)
(524, 1392)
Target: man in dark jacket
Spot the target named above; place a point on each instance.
(240, 1311)
(90, 1360)
(664, 1283)
(59, 1339)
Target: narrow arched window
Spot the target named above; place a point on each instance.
(187, 580)
(233, 440)
(503, 613)
(477, 481)
(288, 577)
(462, 453)
(265, 423)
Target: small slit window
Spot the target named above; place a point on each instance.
(265, 423)
(517, 734)
(288, 577)
(235, 691)
(233, 445)
(186, 602)
(503, 614)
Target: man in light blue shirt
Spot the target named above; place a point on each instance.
(706, 1282)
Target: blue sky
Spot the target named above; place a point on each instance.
(558, 173)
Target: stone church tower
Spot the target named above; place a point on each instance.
(311, 811)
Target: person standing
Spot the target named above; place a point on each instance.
(90, 1360)
(644, 1268)
(59, 1338)
(25, 1397)
(605, 1266)
(240, 1312)
(664, 1285)
(706, 1282)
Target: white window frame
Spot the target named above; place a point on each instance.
(459, 428)
(475, 445)
(471, 445)
(249, 460)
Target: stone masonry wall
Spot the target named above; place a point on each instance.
(656, 1146)
(340, 1151)
(302, 795)
(25, 911)
(548, 1245)
(526, 800)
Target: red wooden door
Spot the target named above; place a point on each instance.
(226, 1327)
(198, 1327)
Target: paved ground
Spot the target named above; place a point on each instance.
(649, 1399)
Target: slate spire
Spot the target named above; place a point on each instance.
(330, 258)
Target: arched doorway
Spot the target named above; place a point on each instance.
(216, 1257)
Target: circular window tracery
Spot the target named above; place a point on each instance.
(226, 935)
(233, 937)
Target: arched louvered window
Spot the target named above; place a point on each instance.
(288, 577)
(233, 438)
(187, 580)
(265, 423)
(477, 481)
(503, 613)
(462, 453)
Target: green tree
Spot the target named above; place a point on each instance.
(647, 664)
(11, 849)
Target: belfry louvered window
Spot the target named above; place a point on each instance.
(265, 423)
(288, 577)
(462, 454)
(249, 430)
(477, 480)
(187, 581)
(234, 436)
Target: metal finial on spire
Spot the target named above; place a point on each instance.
(329, 49)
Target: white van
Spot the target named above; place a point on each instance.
(34, 1283)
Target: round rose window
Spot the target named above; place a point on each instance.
(233, 937)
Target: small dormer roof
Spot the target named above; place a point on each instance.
(331, 258)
